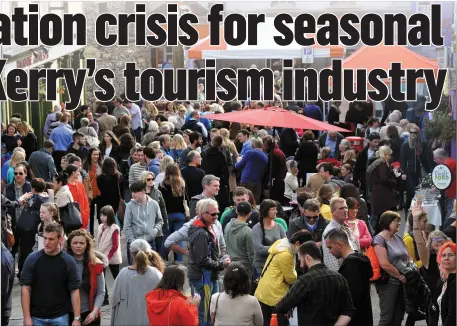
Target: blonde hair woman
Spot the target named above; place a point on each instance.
(350, 157)
(28, 139)
(149, 112)
(324, 195)
(17, 157)
(179, 119)
(177, 146)
(164, 163)
(133, 283)
(225, 134)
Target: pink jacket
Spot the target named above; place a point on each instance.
(364, 234)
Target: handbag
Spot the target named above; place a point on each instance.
(255, 283)
(70, 216)
(28, 221)
(121, 206)
(213, 314)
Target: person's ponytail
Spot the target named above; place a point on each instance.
(156, 261)
(142, 262)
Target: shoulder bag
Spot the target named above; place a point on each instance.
(28, 221)
(70, 216)
(255, 283)
(213, 314)
(121, 206)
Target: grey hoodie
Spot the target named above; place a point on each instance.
(142, 221)
(238, 238)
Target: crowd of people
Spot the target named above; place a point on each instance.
(299, 223)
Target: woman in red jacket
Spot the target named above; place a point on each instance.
(167, 305)
(90, 266)
(359, 227)
(79, 193)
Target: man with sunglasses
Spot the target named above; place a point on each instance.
(205, 261)
(310, 220)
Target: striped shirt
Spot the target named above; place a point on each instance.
(135, 171)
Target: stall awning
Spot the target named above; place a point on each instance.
(265, 49)
(381, 56)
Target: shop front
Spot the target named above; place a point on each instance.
(35, 112)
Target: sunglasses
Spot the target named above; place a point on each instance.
(213, 214)
(413, 133)
(150, 179)
(18, 173)
(312, 217)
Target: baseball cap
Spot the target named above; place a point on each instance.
(373, 136)
(243, 208)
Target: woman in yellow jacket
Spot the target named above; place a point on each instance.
(409, 241)
(279, 274)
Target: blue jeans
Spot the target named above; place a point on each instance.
(58, 321)
(175, 222)
(203, 307)
(129, 259)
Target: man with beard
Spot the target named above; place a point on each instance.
(322, 296)
(78, 146)
(195, 141)
(356, 269)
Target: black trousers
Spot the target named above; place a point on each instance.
(26, 244)
(114, 271)
(267, 311)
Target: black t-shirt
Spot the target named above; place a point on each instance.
(51, 278)
(193, 177)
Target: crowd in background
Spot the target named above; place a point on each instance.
(271, 224)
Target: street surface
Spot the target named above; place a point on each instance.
(16, 317)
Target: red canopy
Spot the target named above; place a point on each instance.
(274, 117)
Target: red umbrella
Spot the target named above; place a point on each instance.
(275, 117)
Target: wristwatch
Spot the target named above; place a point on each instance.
(78, 318)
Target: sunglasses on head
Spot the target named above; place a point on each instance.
(213, 214)
(18, 173)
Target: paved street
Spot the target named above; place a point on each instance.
(16, 318)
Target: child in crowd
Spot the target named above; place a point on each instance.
(49, 213)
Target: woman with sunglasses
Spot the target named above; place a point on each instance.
(148, 178)
(442, 310)
(415, 160)
(427, 249)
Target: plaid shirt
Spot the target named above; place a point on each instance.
(329, 260)
(321, 296)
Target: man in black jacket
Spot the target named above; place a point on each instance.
(356, 269)
(311, 220)
(321, 295)
(205, 262)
